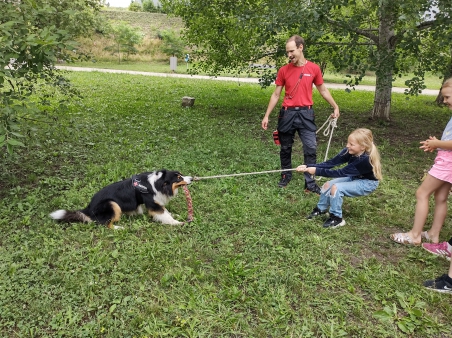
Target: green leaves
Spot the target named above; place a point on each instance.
(34, 35)
(385, 37)
(172, 45)
(409, 318)
(125, 37)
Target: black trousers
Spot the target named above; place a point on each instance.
(307, 134)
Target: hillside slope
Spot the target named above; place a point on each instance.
(149, 23)
(99, 46)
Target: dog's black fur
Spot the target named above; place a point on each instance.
(151, 189)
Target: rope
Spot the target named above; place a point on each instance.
(328, 131)
(242, 174)
(189, 204)
(330, 124)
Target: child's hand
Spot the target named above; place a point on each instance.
(301, 168)
(305, 169)
(311, 170)
(429, 145)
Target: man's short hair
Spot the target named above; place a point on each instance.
(298, 40)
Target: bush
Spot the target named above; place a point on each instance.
(148, 6)
(172, 45)
(135, 7)
(125, 37)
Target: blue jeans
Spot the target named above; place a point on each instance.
(345, 186)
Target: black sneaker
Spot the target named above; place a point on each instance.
(315, 189)
(440, 284)
(315, 212)
(285, 179)
(333, 222)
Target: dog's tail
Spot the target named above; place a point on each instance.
(70, 216)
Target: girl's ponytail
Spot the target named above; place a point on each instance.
(374, 156)
(365, 138)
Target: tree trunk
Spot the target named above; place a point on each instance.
(385, 61)
(382, 99)
(383, 84)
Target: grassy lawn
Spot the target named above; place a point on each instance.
(249, 265)
(431, 80)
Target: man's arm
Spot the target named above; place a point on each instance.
(271, 105)
(328, 98)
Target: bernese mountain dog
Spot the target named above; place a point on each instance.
(153, 190)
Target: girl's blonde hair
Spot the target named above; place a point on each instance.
(365, 139)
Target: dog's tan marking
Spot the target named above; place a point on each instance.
(163, 216)
(116, 215)
(155, 213)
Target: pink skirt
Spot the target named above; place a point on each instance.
(442, 168)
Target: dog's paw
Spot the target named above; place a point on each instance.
(174, 222)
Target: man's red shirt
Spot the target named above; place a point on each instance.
(300, 95)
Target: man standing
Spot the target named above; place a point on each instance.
(297, 113)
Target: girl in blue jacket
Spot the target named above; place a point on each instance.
(359, 177)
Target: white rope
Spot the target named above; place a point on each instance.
(242, 174)
(328, 131)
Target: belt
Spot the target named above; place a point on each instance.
(297, 108)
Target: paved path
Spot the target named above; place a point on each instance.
(224, 78)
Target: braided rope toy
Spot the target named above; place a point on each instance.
(189, 204)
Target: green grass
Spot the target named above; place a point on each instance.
(249, 265)
(432, 81)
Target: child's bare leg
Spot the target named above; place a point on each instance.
(441, 195)
(450, 269)
(423, 193)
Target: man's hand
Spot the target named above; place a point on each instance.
(265, 123)
(336, 113)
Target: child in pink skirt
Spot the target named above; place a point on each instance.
(438, 182)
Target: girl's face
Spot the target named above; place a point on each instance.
(353, 147)
(447, 95)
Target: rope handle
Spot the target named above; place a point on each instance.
(332, 123)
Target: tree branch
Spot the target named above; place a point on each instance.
(345, 43)
(422, 26)
(364, 32)
(425, 25)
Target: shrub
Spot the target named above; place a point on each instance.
(148, 6)
(126, 37)
(135, 7)
(172, 45)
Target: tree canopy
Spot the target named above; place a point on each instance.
(388, 37)
(34, 35)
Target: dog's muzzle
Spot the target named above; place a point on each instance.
(187, 179)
